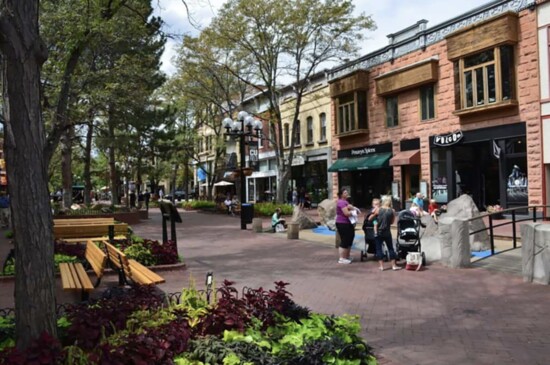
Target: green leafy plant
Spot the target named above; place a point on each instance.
(137, 239)
(59, 258)
(9, 267)
(199, 204)
(267, 209)
(7, 332)
(141, 254)
(8, 234)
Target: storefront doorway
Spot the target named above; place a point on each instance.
(488, 164)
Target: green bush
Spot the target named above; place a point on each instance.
(141, 254)
(198, 204)
(267, 209)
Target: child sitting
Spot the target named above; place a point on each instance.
(433, 209)
(277, 223)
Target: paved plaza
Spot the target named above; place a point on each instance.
(437, 316)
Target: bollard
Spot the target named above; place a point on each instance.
(257, 225)
(293, 231)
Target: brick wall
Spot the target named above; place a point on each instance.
(410, 126)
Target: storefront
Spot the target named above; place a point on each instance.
(365, 172)
(310, 170)
(489, 164)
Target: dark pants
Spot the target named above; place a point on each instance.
(384, 237)
(347, 234)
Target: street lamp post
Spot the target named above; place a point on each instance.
(245, 127)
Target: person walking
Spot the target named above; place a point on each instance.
(147, 197)
(5, 210)
(385, 216)
(344, 226)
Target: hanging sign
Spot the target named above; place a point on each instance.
(448, 139)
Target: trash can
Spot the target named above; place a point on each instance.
(247, 212)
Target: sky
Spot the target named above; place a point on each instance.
(390, 17)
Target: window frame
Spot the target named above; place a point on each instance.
(396, 117)
(298, 134)
(322, 127)
(349, 112)
(497, 64)
(309, 130)
(422, 99)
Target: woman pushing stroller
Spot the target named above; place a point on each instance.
(385, 216)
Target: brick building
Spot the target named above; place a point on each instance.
(446, 110)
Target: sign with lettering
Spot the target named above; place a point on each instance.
(448, 139)
(365, 151)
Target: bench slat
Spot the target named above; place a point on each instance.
(84, 280)
(151, 276)
(66, 276)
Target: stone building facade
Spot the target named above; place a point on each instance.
(446, 110)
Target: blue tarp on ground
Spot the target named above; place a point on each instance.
(482, 254)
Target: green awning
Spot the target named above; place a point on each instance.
(375, 161)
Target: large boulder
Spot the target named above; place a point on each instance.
(327, 211)
(303, 219)
(464, 207)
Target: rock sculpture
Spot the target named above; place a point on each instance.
(303, 219)
(327, 211)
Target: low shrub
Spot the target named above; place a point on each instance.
(199, 205)
(141, 254)
(163, 253)
(267, 209)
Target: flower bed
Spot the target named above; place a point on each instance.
(146, 252)
(142, 327)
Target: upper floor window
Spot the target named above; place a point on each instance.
(297, 134)
(286, 135)
(309, 122)
(427, 102)
(486, 77)
(323, 125)
(392, 113)
(352, 112)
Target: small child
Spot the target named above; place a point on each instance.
(433, 209)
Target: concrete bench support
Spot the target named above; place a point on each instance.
(455, 242)
(293, 231)
(535, 253)
(257, 225)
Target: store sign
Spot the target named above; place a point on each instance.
(448, 139)
(362, 151)
(298, 160)
(365, 151)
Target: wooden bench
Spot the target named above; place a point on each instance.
(77, 221)
(129, 269)
(75, 278)
(89, 231)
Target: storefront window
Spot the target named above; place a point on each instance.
(439, 175)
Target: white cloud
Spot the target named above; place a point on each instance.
(390, 17)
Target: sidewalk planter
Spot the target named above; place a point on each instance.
(293, 231)
(257, 225)
(535, 253)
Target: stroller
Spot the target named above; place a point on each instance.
(408, 235)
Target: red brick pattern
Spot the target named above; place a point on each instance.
(410, 126)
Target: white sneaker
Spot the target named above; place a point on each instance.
(344, 261)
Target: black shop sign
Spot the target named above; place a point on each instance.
(365, 151)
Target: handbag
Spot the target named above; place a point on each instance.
(414, 261)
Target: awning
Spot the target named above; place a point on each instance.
(374, 161)
(406, 158)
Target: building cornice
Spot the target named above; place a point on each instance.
(430, 36)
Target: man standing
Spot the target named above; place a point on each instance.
(147, 196)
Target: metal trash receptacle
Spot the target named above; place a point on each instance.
(247, 212)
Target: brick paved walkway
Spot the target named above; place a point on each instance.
(438, 316)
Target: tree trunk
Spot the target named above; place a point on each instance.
(23, 55)
(66, 166)
(88, 162)
(112, 166)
